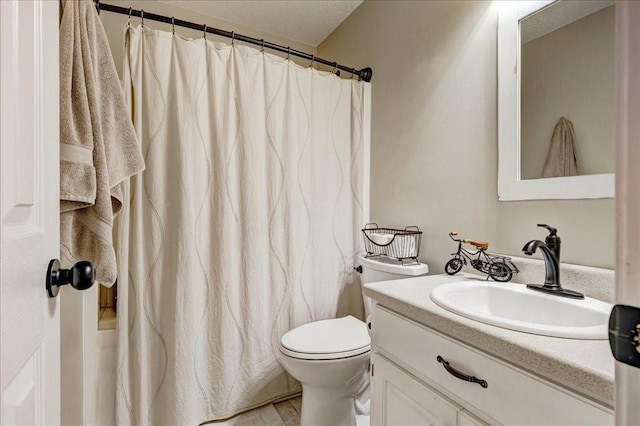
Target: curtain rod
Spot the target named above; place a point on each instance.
(363, 74)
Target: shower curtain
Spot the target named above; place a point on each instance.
(244, 225)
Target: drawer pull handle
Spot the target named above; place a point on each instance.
(461, 375)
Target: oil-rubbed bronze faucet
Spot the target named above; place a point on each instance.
(551, 254)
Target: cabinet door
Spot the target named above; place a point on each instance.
(467, 419)
(398, 398)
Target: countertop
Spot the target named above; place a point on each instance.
(583, 366)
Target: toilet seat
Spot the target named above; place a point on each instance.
(327, 356)
(327, 339)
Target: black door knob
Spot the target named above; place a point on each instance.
(81, 276)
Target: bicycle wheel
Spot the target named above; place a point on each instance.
(500, 272)
(453, 266)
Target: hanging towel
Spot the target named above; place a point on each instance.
(98, 144)
(562, 159)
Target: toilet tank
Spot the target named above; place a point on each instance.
(382, 268)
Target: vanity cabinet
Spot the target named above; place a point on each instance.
(411, 387)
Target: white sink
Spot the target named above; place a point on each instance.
(516, 307)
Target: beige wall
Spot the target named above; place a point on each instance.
(434, 133)
(570, 72)
(114, 27)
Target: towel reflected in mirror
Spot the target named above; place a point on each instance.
(562, 158)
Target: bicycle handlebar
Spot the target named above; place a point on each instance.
(464, 241)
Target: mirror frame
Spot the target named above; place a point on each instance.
(510, 186)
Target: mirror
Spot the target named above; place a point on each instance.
(556, 112)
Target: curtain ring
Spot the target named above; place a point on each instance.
(313, 59)
(142, 17)
(173, 24)
(289, 53)
(233, 38)
(353, 73)
(129, 20)
(204, 33)
(335, 67)
(262, 49)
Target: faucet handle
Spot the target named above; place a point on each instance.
(552, 230)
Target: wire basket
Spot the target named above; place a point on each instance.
(400, 244)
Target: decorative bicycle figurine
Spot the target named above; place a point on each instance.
(498, 268)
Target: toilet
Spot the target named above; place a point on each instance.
(330, 358)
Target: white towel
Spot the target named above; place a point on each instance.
(405, 245)
(98, 144)
(562, 159)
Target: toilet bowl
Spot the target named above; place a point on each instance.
(330, 358)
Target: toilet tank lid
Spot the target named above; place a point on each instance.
(328, 336)
(392, 266)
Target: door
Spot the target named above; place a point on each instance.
(29, 225)
(399, 399)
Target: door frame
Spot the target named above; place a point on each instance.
(627, 194)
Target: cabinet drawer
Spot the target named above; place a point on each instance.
(511, 397)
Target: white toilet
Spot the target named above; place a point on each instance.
(331, 357)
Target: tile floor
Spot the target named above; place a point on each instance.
(284, 413)
(289, 411)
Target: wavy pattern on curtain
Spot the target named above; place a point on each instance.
(244, 224)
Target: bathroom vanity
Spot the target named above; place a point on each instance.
(520, 378)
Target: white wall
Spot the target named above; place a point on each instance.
(570, 72)
(434, 133)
